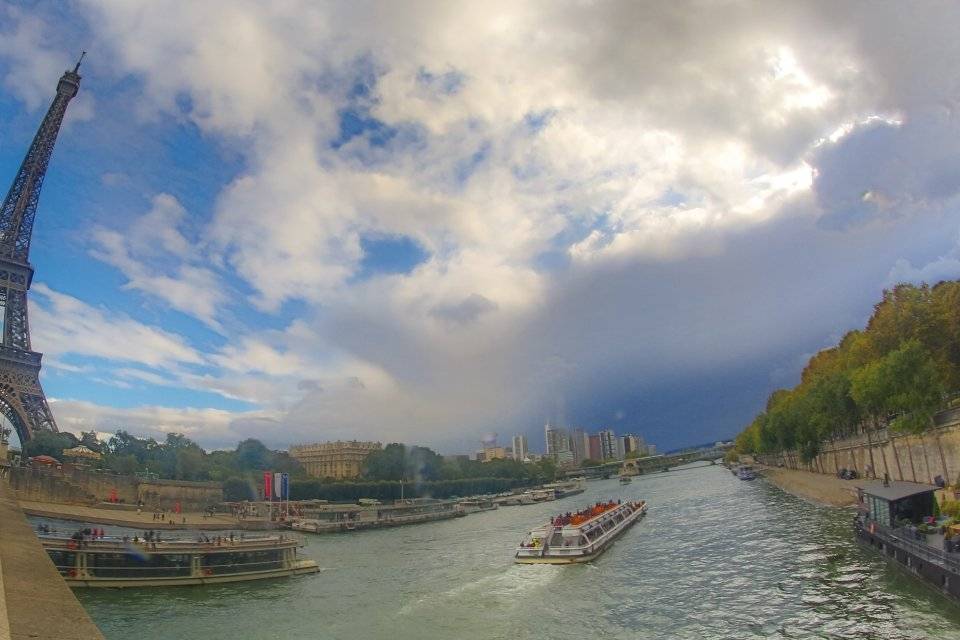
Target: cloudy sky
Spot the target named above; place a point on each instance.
(427, 221)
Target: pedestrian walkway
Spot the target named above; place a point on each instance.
(144, 520)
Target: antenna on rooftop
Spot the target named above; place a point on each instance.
(82, 55)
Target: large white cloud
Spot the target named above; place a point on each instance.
(661, 190)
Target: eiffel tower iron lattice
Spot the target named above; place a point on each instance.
(22, 400)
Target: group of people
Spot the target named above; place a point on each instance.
(81, 536)
(584, 514)
(218, 540)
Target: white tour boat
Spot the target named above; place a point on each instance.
(579, 537)
(567, 488)
(124, 562)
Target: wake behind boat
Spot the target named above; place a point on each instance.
(581, 536)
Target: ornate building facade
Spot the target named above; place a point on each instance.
(339, 460)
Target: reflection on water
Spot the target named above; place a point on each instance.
(714, 558)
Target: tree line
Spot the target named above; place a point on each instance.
(422, 471)
(897, 372)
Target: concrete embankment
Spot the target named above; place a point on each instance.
(35, 602)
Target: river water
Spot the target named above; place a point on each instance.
(714, 558)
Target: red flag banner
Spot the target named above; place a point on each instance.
(267, 485)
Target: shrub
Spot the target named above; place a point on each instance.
(950, 508)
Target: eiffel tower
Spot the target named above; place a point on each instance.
(22, 400)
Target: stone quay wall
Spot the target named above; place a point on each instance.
(35, 602)
(78, 486)
(914, 458)
(192, 496)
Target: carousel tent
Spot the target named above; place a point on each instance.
(81, 451)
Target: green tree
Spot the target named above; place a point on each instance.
(48, 443)
(237, 489)
(125, 465)
(390, 463)
(917, 388)
(251, 454)
(89, 440)
(189, 465)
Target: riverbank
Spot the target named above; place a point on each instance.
(813, 487)
(132, 519)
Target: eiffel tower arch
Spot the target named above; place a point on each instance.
(22, 400)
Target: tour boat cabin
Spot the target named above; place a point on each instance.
(92, 561)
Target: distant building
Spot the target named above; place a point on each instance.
(634, 444)
(596, 451)
(333, 459)
(520, 448)
(580, 445)
(611, 447)
(494, 453)
(564, 458)
(651, 449)
(557, 440)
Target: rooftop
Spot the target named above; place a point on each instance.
(896, 490)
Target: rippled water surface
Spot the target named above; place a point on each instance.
(714, 558)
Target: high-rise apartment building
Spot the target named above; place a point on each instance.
(611, 447)
(596, 451)
(634, 444)
(580, 445)
(520, 448)
(557, 440)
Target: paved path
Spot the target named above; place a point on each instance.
(123, 518)
(35, 602)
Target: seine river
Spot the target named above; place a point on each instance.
(714, 558)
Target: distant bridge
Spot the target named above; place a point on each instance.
(649, 464)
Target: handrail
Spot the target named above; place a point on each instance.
(927, 551)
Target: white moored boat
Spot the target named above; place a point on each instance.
(122, 562)
(579, 537)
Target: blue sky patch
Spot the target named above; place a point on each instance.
(384, 254)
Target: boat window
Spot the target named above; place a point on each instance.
(239, 562)
(136, 565)
(64, 561)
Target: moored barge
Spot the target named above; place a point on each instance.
(124, 562)
(474, 505)
(579, 537)
(335, 518)
(896, 519)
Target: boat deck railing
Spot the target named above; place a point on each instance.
(608, 512)
(901, 537)
(168, 544)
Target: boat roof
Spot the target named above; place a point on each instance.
(895, 490)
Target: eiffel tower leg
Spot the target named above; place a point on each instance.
(22, 400)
